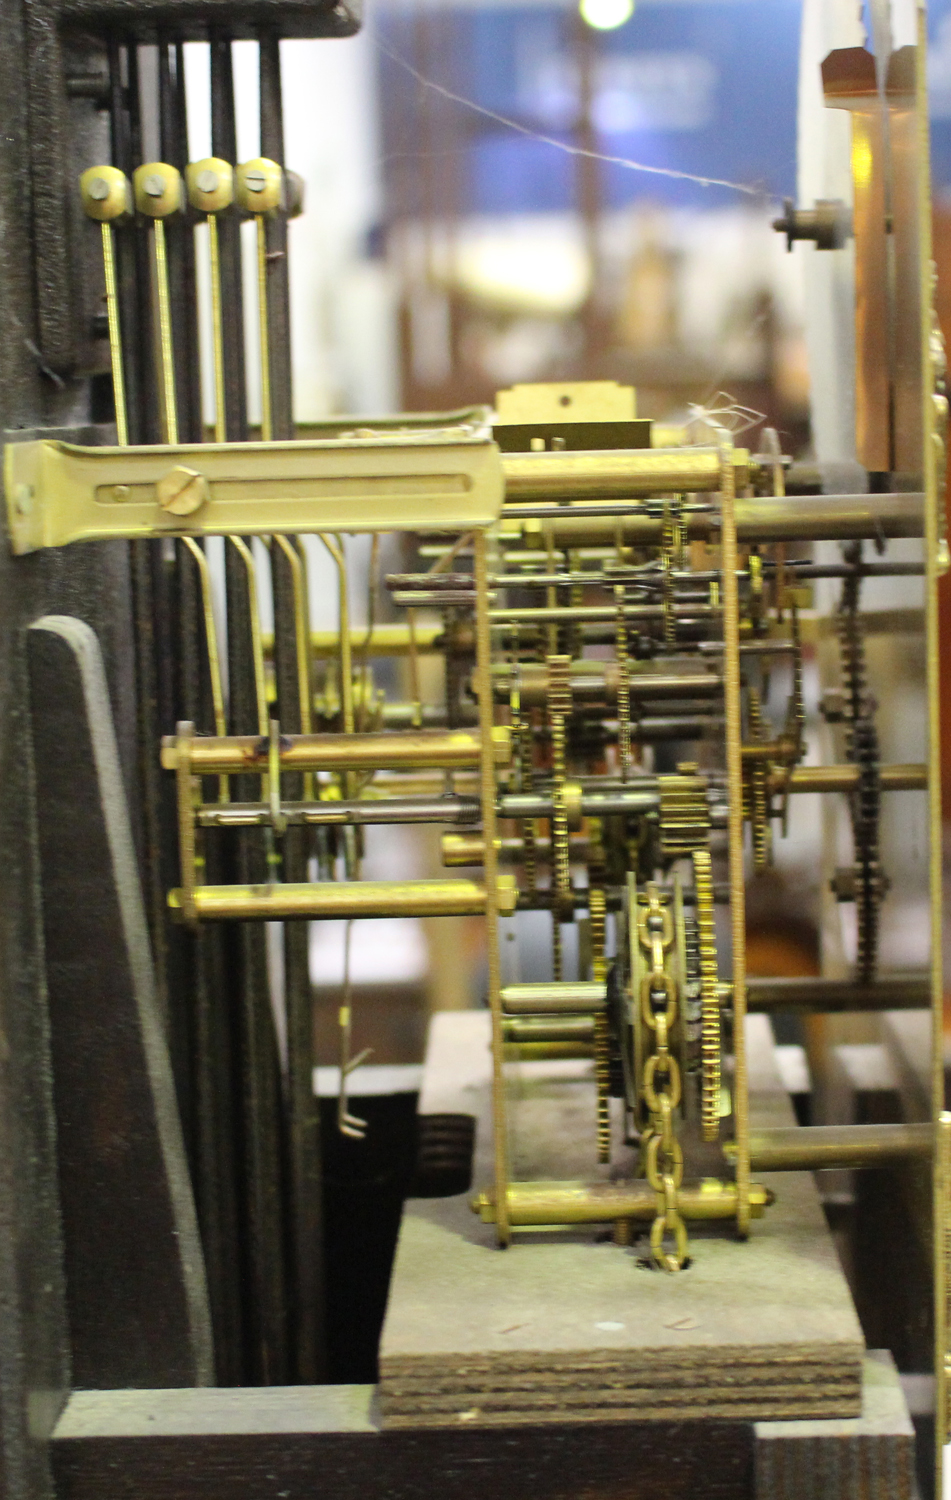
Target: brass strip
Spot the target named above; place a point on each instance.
(217, 335)
(267, 422)
(214, 656)
(186, 823)
(483, 686)
(257, 642)
(165, 333)
(115, 340)
(734, 767)
(933, 529)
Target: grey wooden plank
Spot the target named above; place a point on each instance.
(293, 1444)
(204, 1410)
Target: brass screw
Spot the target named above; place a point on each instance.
(207, 181)
(182, 491)
(121, 492)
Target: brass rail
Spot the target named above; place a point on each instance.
(536, 1203)
(240, 754)
(345, 898)
(817, 1148)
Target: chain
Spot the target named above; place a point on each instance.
(671, 541)
(523, 746)
(757, 789)
(661, 1085)
(867, 878)
(529, 862)
(559, 707)
(597, 909)
(623, 686)
(709, 996)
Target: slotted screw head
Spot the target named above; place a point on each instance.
(182, 491)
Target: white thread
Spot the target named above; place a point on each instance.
(565, 146)
(726, 413)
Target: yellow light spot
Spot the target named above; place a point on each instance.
(606, 15)
(861, 159)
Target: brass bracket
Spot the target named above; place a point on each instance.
(444, 478)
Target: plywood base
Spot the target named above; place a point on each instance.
(566, 1326)
(872, 1455)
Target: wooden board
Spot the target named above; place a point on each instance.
(298, 1443)
(872, 1455)
(566, 1326)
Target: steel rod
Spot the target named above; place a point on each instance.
(815, 1148)
(332, 813)
(889, 992)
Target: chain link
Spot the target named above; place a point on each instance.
(661, 1084)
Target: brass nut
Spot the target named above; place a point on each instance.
(182, 491)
